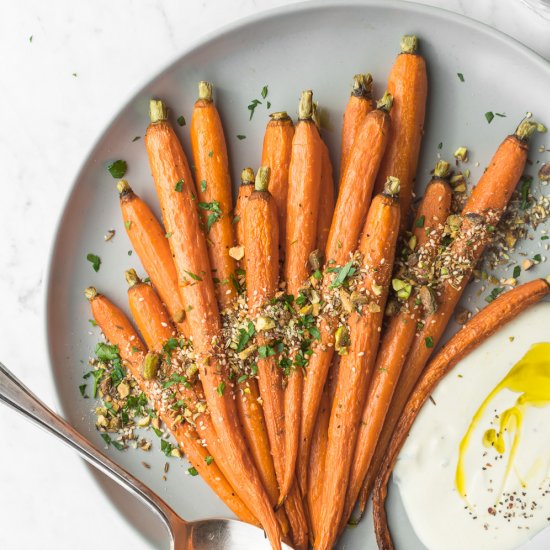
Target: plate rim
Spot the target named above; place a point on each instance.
(199, 43)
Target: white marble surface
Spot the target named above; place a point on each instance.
(58, 91)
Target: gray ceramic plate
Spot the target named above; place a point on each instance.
(316, 45)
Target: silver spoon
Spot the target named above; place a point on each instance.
(208, 534)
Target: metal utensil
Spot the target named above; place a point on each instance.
(219, 534)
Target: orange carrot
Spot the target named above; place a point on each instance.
(261, 236)
(214, 191)
(408, 83)
(427, 231)
(119, 332)
(353, 202)
(187, 241)
(148, 239)
(245, 190)
(276, 153)
(377, 246)
(481, 212)
(359, 105)
(326, 199)
(304, 182)
(492, 318)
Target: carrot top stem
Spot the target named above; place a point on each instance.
(205, 90)
(280, 115)
(392, 187)
(385, 102)
(442, 169)
(123, 187)
(362, 85)
(526, 129)
(315, 115)
(132, 277)
(409, 43)
(247, 176)
(305, 108)
(158, 112)
(90, 293)
(262, 178)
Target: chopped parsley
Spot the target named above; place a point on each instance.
(209, 459)
(460, 77)
(343, 273)
(166, 447)
(193, 275)
(429, 342)
(264, 91)
(494, 294)
(440, 145)
(192, 471)
(240, 137)
(128, 224)
(136, 138)
(106, 352)
(203, 185)
(95, 261)
(245, 335)
(96, 374)
(517, 272)
(92, 322)
(221, 388)
(82, 389)
(265, 351)
(420, 221)
(118, 169)
(181, 120)
(525, 187)
(215, 212)
(489, 115)
(210, 154)
(252, 107)
(116, 444)
(179, 186)
(537, 258)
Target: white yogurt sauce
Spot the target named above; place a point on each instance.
(426, 467)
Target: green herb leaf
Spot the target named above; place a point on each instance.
(95, 261)
(192, 471)
(116, 444)
(117, 169)
(460, 77)
(166, 447)
(489, 116)
(209, 459)
(240, 137)
(544, 238)
(420, 221)
(82, 389)
(440, 145)
(128, 224)
(265, 351)
(97, 375)
(252, 107)
(105, 352)
(537, 258)
(193, 275)
(210, 154)
(181, 120)
(268, 105)
(92, 322)
(517, 272)
(136, 138)
(429, 342)
(245, 336)
(169, 234)
(494, 294)
(203, 185)
(179, 186)
(264, 92)
(525, 187)
(215, 212)
(221, 388)
(343, 273)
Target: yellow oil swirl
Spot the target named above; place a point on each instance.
(530, 377)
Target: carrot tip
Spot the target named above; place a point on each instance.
(90, 293)
(409, 44)
(385, 102)
(247, 176)
(205, 90)
(305, 108)
(123, 187)
(262, 178)
(158, 112)
(362, 85)
(280, 115)
(132, 277)
(442, 169)
(392, 186)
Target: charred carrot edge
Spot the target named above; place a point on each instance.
(351, 209)
(276, 151)
(408, 83)
(488, 199)
(154, 322)
(214, 191)
(304, 187)
(187, 242)
(398, 337)
(245, 190)
(261, 236)
(377, 246)
(480, 327)
(149, 240)
(119, 331)
(359, 105)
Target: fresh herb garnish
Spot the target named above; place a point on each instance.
(429, 342)
(181, 120)
(179, 186)
(128, 224)
(494, 294)
(95, 261)
(489, 115)
(537, 258)
(525, 187)
(166, 447)
(106, 352)
(215, 212)
(440, 145)
(420, 221)
(517, 272)
(460, 77)
(117, 169)
(92, 322)
(343, 273)
(209, 459)
(82, 389)
(136, 138)
(245, 336)
(96, 374)
(116, 444)
(265, 351)
(241, 137)
(264, 91)
(252, 107)
(192, 471)
(203, 185)
(193, 275)
(210, 154)
(221, 388)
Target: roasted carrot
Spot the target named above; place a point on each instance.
(353, 202)
(408, 83)
(214, 191)
(245, 190)
(276, 153)
(261, 236)
(378, 244)
(145, 305)
(481, 212)
(426, 231)
(168, 165)
(304, 183)
(119, 331)
(482, 325)
(148, 239)
(359, 105)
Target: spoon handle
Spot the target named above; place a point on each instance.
(14, 394)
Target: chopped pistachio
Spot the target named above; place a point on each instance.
(264, 323)
(341, 340)
(143, 422)
(150, 366)
(247, 352)
(237, 252)
(412, 242)
(316, 260)
(123, 390)
(461, 154)
(176, 453)
(345, 298)
(306, 310)
(402, 288)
